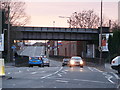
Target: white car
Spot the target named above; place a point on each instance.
(115, 64)
(76, 61)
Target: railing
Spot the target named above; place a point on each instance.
(51, 29)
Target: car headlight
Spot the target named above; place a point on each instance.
(81, 62)
(44, 56)
(30, 58)
(47, 62)
(72, 62)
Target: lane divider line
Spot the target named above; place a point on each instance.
(64, 72)
(33, 73)
(90, 69)
(52, 73)
(65, 79)
(59, 75)
(62, 81)
(89, 81)
(98, 70)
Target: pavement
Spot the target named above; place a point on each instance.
(12, 64)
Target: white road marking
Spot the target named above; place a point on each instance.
(43, 71)
(33, 73)
(105, 73)
(94, 69)
(62, 81)
(28, 70)
(118, 86)
(90, 69)
(40, 68)
(98, 70)
(80, 80)
(64, 72)
(116, 76)
(59, 75)
(19, 71)
(52, 73)
(9, 73)
(109, 77)
(89, 81)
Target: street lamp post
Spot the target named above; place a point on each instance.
(100, 39)
(66, 17)
(70, 29)
(53, 23)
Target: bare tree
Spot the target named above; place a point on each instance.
(115, 26)
(84, 19)
(18, 17)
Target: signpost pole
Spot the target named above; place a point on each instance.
(1, 35)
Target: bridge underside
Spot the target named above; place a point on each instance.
(27, 35)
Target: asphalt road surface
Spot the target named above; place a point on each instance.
(57, 76)
(33, 51)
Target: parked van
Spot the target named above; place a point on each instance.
(115, 64)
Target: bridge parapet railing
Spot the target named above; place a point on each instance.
(53, 29)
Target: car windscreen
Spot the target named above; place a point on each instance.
(35, 58)
(45, 59)
(66, 59)
(76, 58)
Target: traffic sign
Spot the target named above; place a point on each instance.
(2, 42)
(13, 47)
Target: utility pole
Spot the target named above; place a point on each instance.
(100, 39)
(8, 53)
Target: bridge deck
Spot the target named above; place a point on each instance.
(50, 33)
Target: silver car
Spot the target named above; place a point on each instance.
(65, 61)
(46, 62)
